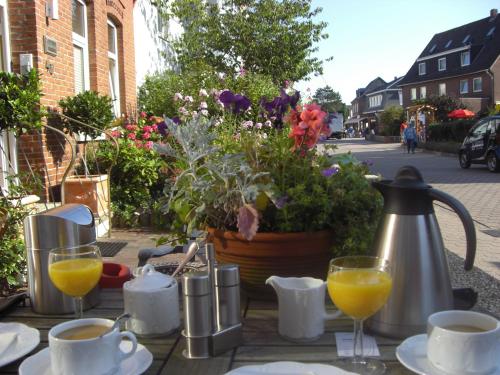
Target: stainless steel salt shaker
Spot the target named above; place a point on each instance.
(197, 314)
(227, 295)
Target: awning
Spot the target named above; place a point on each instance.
(354, 120)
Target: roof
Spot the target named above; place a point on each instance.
(481, 38)
(393, 85)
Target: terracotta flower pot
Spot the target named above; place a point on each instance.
(280, 254)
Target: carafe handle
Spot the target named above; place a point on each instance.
(470, 231)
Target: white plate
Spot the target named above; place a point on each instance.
(39, 363)
(27, 339)
(412, 353)
(289, 368)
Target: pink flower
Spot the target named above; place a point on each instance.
(204, 112)
(203, 105)
(268, 124)
(149, 145)
(116, 133)
(138, 144)
(258, 125)
(183, 111)
(247, 124)
(143, 114)
(203, 92)
(146, 136)
(147, 129)
(131, 127)
(131, 136)
(178, 96)
(189, 99)
(154, 128)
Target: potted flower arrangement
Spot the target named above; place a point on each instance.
(271, 199)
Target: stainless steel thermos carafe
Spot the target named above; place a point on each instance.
(410, 239)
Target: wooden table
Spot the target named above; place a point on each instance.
(262, 343)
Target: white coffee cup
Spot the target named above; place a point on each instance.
(99, 355)
(452, 349)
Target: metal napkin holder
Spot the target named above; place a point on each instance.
(212, 315)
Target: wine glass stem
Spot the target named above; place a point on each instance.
(79, 307)
(358, 342)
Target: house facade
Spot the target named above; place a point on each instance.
(371, 101)
(463, 63)
(75, 45)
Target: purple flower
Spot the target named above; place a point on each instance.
(237, 103)
(162, 126)
(281, 202)
(329, 172)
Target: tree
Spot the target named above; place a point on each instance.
(270, 37)
(330, 101)
(444, 104)
(391, 120)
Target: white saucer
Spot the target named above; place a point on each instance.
(289, 368)
(27, 339)
(39, 363)
(412, 353)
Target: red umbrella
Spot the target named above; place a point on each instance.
(461, 113)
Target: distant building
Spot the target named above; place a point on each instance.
(371, 101)
(462, 63)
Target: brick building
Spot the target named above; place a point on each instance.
(75, 45)
(462, 63)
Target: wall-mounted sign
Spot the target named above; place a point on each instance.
(49, 46)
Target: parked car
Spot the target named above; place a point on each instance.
(336, 125)
(482, 144)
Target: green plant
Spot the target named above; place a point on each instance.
(272, 37)
(453, 131)
(391, 120)
(20, 96)
(90, 108)
(443, 104)
(237, 176)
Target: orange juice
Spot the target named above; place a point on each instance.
(359, 293)
(76, 277)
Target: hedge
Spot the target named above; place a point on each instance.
(452, 131)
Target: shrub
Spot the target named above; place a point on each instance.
(454, 131)
(391, 120)
(20, 101)
(90, 108)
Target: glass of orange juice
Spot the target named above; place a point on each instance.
(75, 271)
(359, 286)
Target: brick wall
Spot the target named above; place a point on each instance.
(29, 25)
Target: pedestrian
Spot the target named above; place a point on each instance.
(402, 129)
(410, 138)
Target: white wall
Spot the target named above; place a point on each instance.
(152, 52)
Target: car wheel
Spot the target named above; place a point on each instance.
(464, 160)
(492, 162)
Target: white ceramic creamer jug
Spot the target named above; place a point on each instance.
(301, 303)
(152, 300)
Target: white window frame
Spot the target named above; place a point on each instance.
(443, 90)
(8, 141)
(474, 80)
(463, 60)
(442, 64)
(465, 88)
(83, 43)
(115, 75)
(421, 69)
(413, 93)
(423, 92)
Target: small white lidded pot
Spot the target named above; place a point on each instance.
(463, 342)
(152, 300)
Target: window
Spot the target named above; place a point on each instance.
(114, 85)
(423, 92)
(80, 46)
(442, 89)
(464, 86)
(477, 84)
(375, 101)
(465, 58)
(432, 48)
(442, 64)
(490, 32)
(421, 69)
(466, 39)
(414, 93)
(448, 43)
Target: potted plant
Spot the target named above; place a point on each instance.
(269, 199)
(86, 116)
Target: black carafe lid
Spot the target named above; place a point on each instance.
(407, 194)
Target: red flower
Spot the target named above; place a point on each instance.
(307, 126)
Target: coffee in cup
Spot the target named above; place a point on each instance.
(78, 347)
(463, 342)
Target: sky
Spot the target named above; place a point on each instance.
(382, 38)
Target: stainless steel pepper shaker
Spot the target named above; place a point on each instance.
(227, 295)
(197, 303)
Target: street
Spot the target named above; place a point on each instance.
(476, 188)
